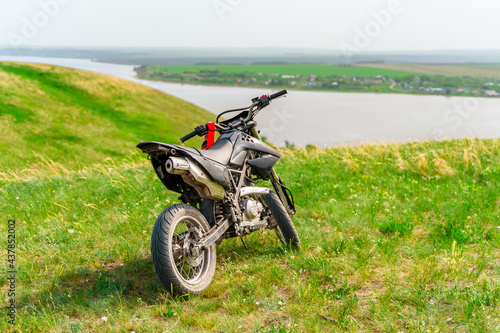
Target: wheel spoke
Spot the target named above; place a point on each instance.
(177, 251)
(183, 273)
(181, 235)
(181, 263)
(184, 262)
(181, 229)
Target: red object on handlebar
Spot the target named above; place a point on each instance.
(210, 136)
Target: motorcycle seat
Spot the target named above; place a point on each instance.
(220, 151)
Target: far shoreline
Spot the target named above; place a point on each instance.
(324, 119)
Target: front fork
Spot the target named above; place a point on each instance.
(277, 183)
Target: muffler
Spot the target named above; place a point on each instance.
(177, 165)
(193, 175)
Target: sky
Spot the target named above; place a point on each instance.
(353, 25)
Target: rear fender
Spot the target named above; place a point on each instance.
(159, 153)
(172, 182)
(217, 172)
(205, 177)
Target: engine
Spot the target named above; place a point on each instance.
(251, 209)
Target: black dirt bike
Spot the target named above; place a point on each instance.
(220, 199)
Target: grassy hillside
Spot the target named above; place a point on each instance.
(79, 118)
(395, 237)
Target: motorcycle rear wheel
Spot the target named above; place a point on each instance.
(178, 270)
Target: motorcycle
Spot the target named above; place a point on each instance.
(219, 197)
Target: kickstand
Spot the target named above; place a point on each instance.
(246, 247)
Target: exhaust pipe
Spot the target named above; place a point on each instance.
(193, 175)
(177, 165)
(250, 190)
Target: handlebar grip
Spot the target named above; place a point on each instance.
(278, 94)
(189, 136)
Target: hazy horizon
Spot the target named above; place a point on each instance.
(360, 27)
(236, 48)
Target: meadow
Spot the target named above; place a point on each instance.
(395, 237)
(458, 80)
(491, 71)
(304, 70)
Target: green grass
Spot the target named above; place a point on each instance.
(78, 118)
(456, 80)
(491, 67)
(325, 70)
(491, 71)
(394, 238)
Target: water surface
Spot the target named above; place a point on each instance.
(326, 118)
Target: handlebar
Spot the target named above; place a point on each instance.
(199, 130)
(278, 94)
(189, 136)
(261, 102)
(258, 103)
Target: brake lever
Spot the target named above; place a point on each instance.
(201, 130)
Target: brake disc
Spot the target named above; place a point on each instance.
(191, 260)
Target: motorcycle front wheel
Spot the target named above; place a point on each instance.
(179, 271)
(285, 229)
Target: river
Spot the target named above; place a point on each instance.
(327, 118)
